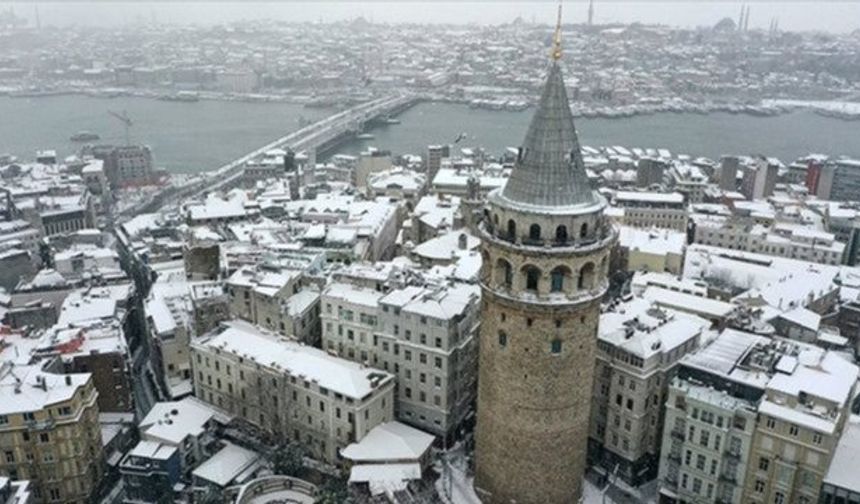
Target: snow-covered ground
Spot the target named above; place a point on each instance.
(456, 485)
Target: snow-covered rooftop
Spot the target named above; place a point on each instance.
(338, 375)
(389, 442)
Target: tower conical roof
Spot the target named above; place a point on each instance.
(549, 171)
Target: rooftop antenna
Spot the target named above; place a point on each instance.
(126, 121)
(556, 40)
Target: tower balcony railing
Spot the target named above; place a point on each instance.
(607, 235)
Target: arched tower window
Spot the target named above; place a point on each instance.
(503, 339)
(512, 230)
(532, 277)
(504, 274)
(534, 232)
(557, 278)
(583, 231)
(561, 234)
(586, 276)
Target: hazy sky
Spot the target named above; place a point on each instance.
(799, 15)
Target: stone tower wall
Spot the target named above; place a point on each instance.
(534, 399)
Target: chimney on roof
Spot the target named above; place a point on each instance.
(68, 380)
(462, 241)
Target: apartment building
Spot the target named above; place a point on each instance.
(98, 348)
(801, 418)
(125, 164)
(783, 240)
(711, 411)
(175, 437)
(425, 335)
(841, 484)
(49, 433)
(290, 390)
(651, 209)
(638, 349)
(654, 250)
(256, 294)
(758, 178)
(168, 311)
(783, 406)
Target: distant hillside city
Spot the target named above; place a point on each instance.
(553, 323)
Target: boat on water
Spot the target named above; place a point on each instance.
(364, 136)
(182, 96)
(84, 136)
(391, 120)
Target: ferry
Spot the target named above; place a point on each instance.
(182, 96)
(84, 136)
(364, 136)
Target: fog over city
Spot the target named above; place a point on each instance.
(525, 252)
(841, 16)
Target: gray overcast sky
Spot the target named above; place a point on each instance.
(831, 16)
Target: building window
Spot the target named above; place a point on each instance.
(557, 278)
(792, 429)
(534, 232)
(586, 276)
(763, 464)
(778, 498)
(555, 346)
(532, 278)
(512, 230)
(561, 234)
(583, 230)
(505, 273)
(503, 339)
(759, 486)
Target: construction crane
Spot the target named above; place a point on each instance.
(126, 121)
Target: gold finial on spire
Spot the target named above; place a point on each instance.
(556, 41)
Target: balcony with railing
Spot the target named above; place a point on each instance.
(733, 453)
(728, 478)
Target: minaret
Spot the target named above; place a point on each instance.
(590, 12)
(741, 19)
(545, 250)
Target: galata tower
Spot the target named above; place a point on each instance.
(546, 245)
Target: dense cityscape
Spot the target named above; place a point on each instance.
(552, 323)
